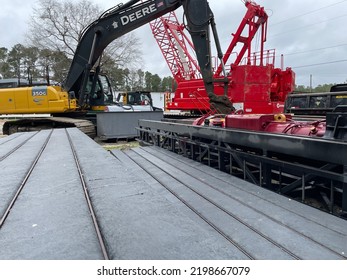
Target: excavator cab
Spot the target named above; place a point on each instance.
(100, 94)
(135, 98)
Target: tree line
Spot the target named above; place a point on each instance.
(319, 88)
(21, 62)
(24, 62)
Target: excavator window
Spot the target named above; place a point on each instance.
(298, 102)
(102, 93)
(104, 84)
(339, 99)
(318, 102)
(106, 88)
(89, 88)
(131, 99)
(138, 98)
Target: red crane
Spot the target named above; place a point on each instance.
(255, 85)
(173, 43)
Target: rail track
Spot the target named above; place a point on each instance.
(88, 200)
(209, 196)
(12, 150)
(26, 177)
(65, 197)
(30, 169)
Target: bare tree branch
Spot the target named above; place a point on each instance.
(58, 26)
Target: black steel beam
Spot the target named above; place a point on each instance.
(308, 177)
(308, 147)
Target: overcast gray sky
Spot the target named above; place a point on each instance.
(311, 34)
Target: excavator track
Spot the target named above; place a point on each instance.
(36, 124)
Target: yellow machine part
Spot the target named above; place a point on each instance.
(98, 108)
(35, 100)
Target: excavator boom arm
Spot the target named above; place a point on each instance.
(110, 26)
(126, 17)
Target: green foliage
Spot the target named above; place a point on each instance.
(323, 88)
(167, 84)
(4, 67)
(58, 64)
(21, 61)
(17, 61)
(152, 82)
(319, 88)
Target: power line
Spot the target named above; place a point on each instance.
(312, 50)
(310, 12)
(310, 25)
(317, 64)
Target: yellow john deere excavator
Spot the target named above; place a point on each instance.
(84, 89)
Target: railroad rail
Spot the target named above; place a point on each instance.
(88, 200)
(29, 174)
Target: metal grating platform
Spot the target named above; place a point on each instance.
(62, 196)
